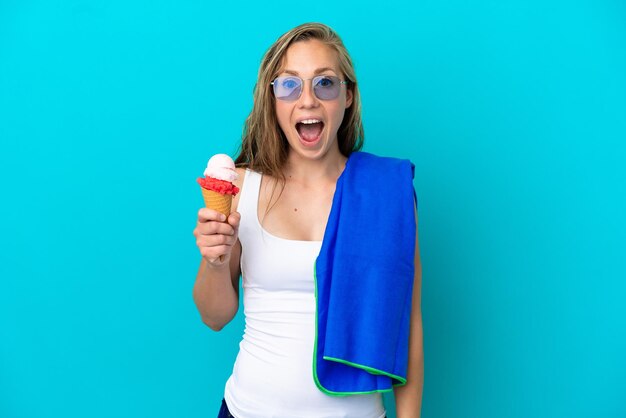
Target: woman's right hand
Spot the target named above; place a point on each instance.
(216, 236)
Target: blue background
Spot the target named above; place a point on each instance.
(514, 113)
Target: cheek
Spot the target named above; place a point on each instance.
(282, 114)
(338, 113)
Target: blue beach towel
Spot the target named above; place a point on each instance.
(364, 278)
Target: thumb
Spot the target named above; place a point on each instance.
(234, 219)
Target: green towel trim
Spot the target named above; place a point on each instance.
(360, 366)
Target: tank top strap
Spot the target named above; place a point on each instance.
(249, 199)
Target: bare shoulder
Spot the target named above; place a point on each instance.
(241, 173)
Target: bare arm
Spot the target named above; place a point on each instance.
(216, 290)
(409, 396)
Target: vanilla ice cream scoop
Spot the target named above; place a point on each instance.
(221, 167)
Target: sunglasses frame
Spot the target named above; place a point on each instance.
(302, 85)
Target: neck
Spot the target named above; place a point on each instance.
(310, 171)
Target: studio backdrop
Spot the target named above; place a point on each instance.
(513, 112)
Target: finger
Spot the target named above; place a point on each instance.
(215, 240)
(212, 227)
(208, 214)
(212, 253)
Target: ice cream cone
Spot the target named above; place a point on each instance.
(217, 201)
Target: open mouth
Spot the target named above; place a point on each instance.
(310, 130)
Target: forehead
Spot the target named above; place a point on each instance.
(305, 57)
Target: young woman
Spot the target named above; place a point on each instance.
(304, 126)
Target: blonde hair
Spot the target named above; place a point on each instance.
(264, 147)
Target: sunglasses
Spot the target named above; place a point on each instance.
(289, 88)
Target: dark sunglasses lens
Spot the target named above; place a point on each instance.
(287, 88)
(326, 87)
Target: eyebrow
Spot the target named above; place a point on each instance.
(318, 71)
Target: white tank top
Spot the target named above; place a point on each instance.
(273, 373)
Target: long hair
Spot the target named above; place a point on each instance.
(264, 147)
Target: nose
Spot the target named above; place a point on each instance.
(307, 98)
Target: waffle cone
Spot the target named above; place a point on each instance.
(217, 201)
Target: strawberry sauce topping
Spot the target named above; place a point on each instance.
(219, 186)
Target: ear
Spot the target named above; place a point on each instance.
(349, 97)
